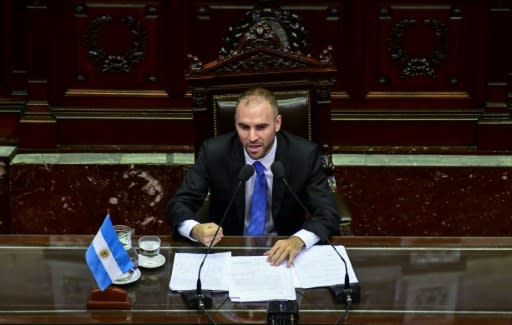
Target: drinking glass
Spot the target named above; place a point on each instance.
(149, 246)
(124, 233)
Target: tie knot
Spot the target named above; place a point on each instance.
(259, 167)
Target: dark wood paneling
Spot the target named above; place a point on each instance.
(495, 135)
(37, 125)
(4, 64)
(207, 23)
(114, 54)
(495, 128)
(12, 74)
(119, 76)
(8, 127)
(47, 62)
(418, 47)
(499, 46)
(128, 132)
(210, 21)
(404, 133)
(38, 133)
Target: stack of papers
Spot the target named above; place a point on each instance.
(252, 278)
(215, 274)
(320, 266)
(255, 279)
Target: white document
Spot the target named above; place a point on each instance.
(255, 279)
(215, 273)
(320, 266)
(252, 278)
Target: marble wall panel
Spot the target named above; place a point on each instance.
(74, 198)
(397, 196)
(428, 200)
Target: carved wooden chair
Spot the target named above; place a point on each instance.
(268, 48)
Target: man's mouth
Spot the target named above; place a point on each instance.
(254, 147)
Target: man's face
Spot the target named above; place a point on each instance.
(256, 126)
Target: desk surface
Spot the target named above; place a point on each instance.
(404, 280)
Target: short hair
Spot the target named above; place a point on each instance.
(261, 93)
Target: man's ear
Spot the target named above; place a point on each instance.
(277, 124)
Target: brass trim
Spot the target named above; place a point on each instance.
(418, 95)
(389, 116)
(420, 7)
(138, 114)
(117, 93)
(340, 95)
(115, 5)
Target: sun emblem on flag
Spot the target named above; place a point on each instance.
(104, 253)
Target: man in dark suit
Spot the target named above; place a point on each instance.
(257, 138)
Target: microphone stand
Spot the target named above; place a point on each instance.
(199, 299)
(278, 170)
(347, 290)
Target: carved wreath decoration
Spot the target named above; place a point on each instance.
(418, 66)
(116, 62)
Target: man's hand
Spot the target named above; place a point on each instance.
(204, 233)
(284, 248)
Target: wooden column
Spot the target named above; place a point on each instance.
(38, 126)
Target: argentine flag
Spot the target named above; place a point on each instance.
(106, 256)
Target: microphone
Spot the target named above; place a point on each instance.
(344, 295)
(199, 299)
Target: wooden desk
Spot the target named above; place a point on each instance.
(406, 280)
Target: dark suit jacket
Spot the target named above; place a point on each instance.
(217, 168)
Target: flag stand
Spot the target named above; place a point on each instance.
(110, 298)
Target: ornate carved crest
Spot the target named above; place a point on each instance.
(261, 61)
(260, 34)
(266, 25)
(268, 38)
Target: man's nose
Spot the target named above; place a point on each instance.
(253, 135)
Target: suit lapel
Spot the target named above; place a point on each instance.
(278, 187)
(237, 157)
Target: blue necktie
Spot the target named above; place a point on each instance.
(258, 202)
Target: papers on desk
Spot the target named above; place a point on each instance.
(320, 266)
(252, 278)
(214, 275)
